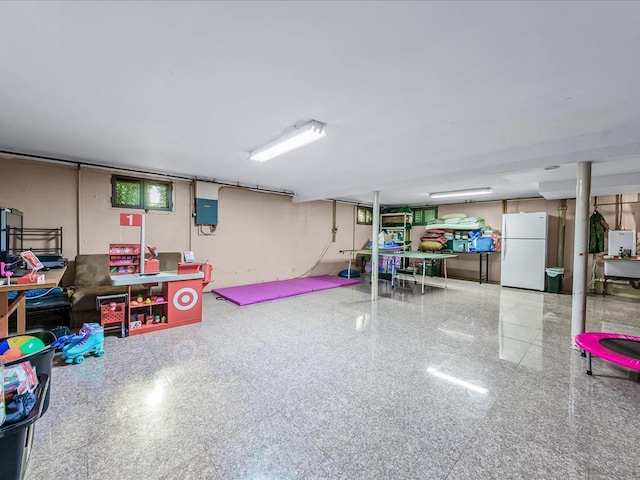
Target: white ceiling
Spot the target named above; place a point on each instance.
(418, 97)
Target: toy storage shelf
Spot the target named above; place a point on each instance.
(124, 258)
(147, 305)
(152, 327)
(143, 316)
(181, 304)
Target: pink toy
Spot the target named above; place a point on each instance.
(6, 273)
(616, 348)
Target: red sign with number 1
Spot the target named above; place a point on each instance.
(130, 219)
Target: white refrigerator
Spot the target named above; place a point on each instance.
(524, 250)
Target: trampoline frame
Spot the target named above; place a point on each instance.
(589, 342)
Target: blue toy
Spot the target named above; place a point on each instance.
(90, 340)
(66, 341)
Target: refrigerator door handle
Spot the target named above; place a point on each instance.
(504, 241)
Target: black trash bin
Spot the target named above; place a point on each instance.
(42, 361)
(554, 279)
(16, 438)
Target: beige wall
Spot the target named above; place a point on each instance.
(260, 236)
(45, 193)
(100, 223)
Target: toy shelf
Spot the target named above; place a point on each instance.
(181, 302)
(124, 249)
(124, 258)
(151, 327)
(144, 305)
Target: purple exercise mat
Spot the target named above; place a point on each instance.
(262, 292)
(341, 281)
(284, 288)
(314, 283)
(245, 294)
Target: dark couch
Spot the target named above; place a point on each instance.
(92, 280)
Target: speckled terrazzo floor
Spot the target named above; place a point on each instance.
(471, 382)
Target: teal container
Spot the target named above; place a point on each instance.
(554, 279)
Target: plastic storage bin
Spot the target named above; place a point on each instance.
(460, 245)
(433, 268)
(42, 361)
(554, 279)
(16, 438)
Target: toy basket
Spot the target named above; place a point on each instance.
(112, 308)
(109, 315)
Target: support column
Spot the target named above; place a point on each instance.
(562, 220)
(375, 229)
(580, 251)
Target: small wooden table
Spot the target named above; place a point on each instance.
(51, 279)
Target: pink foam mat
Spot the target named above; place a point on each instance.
(262, 292)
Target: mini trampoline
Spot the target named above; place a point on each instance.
(616, 348)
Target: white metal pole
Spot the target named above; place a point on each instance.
(374, 246)
(142, 234)
(580, 253)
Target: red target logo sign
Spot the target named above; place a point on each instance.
(185, 298)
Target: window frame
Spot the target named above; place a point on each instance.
(145, 184)
(364, 215)
(422, 215)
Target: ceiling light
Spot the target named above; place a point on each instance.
(461, 193)
(296, 137)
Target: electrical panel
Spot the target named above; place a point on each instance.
(206, 212)
(206, 203)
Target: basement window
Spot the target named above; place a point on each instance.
(141, 193)
(423, 215)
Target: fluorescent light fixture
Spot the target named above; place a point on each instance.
(461, 193)
(457, 381)
(297, 137)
